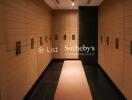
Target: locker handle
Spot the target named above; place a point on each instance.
(41, 41)
(32, 43)
(64, 37)
(73, 37)
(18, 48)
(130, 47)
(117, 43)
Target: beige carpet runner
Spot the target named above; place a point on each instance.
(73, 84)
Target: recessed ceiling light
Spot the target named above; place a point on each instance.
(73, 4)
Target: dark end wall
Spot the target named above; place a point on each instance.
(88, 33)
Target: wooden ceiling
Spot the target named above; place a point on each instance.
(67, 4)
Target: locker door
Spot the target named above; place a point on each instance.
(64, 44)
(57, 44)
(74, 45)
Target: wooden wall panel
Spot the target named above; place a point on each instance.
(2, 48)
(22, 20)
(65, 22)
(128, 55)
(116, 24)
(111, 25)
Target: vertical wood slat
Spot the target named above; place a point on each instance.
(116, 24)
(65, 23)
(22, 20)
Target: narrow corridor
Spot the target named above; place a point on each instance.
(99, 84)
(37, 36)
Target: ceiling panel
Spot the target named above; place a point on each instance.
(67, 4)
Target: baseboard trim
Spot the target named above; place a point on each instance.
(30, 92)
(115, 88)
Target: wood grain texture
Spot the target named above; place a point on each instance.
(65, 22)
(114, 24)
(21, 20)
(128, 56)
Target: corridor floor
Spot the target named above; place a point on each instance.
(72, 83)
(100, 88)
